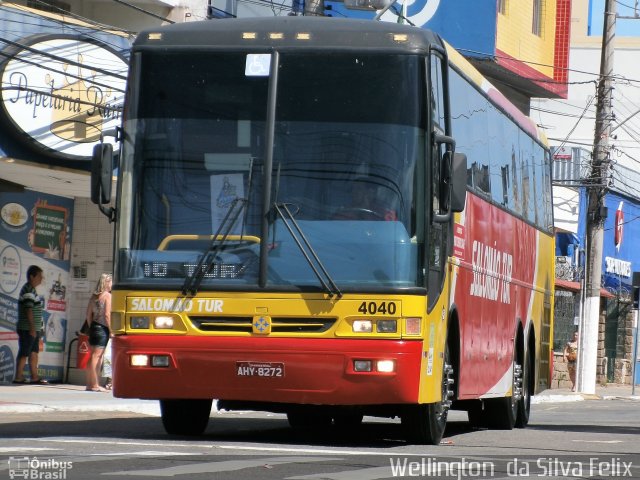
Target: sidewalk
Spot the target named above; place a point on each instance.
(603, 392)
(74, 398)
(69, 398)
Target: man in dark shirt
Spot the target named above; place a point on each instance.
(29, 328)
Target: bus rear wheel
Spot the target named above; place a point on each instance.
(425, 424)
(503, 412)
(185, 417)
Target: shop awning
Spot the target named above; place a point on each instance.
(575, 287)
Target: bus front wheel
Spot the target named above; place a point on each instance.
(425, 423)
(185, 417)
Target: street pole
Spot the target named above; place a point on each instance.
(596, 211)
(635, 353)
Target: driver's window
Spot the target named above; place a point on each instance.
(437, 233)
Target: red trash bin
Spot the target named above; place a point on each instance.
(84, 351)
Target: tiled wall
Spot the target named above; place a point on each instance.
(515, 37)
(91, 255)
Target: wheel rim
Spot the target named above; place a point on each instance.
(442, 408)
(517, 392)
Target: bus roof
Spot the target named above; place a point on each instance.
(289, 32)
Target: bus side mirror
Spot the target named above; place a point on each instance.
(101, 173)
(458, 182)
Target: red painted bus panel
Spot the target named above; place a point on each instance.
(495, 247)
(316, 371)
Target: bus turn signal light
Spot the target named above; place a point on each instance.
(413, 325)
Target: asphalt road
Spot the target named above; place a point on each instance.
(589, 439)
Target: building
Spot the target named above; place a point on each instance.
(620, 259)
(63, 72)
(570, 125)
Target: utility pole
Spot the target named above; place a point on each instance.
(596, 211)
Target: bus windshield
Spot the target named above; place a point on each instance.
(343, 148)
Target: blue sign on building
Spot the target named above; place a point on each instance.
(468, 25)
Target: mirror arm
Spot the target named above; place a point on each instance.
(110, 212)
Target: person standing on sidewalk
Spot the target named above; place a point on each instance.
(570, 355)
(99, 320)
(29, 328)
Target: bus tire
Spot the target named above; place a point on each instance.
(503, 412)
(477, 416)
(185, 417)
(424, 424)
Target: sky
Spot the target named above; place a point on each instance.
(624, 27)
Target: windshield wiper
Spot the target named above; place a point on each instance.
(307, 250)
(192, 282)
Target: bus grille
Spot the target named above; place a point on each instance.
(278, 324)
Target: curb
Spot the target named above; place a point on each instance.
(145, 409)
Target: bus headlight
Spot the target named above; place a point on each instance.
(163, 322)
(362, 326)
(387, 326)
(139, 322)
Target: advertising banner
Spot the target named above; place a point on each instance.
(35, 229)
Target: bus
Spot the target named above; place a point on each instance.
(246, 271)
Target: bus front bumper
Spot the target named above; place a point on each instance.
(285, 370)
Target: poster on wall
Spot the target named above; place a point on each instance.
(35, 229)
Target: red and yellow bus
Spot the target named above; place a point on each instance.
(250, 267)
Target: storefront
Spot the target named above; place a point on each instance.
(620, 259)
(63, 86)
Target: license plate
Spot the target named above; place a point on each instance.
(259, 369)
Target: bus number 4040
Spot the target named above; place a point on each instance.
(371, 308)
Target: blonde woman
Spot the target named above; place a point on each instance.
(99, 320)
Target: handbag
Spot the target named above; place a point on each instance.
(85, 328)
(572, 357)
